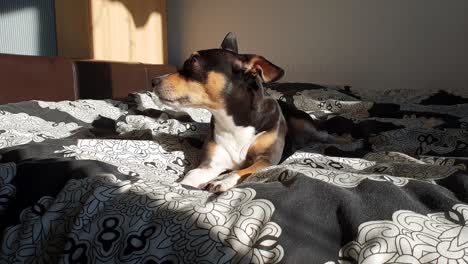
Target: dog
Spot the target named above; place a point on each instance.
(249, 130)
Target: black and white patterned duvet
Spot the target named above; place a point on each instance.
(94, 181)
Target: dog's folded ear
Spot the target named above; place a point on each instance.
(230, 42)
(253, 64)
(258, 65)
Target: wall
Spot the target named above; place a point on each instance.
(27, 27)
(369, 44)
(129, 30)
(117, 30)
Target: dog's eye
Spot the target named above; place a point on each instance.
(194, 59)
(191, 62)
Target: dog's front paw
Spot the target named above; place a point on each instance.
(190, 182)
(194, 178)
(222, 183)
(198, 176)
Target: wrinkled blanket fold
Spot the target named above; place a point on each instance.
(95, 181)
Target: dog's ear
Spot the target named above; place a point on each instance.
(258, 65)
(230, 42)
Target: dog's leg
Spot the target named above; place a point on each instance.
(215, 161)
(265, 151)
(303, 130)
(229, 180)
(201, 175)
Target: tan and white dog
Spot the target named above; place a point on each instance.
(249, 129)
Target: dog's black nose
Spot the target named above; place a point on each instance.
(156, 81)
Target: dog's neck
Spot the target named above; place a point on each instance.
(233, 139)
(223, 122)
(243, 106)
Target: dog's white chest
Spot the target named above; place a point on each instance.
(234, 140)
(237, 144)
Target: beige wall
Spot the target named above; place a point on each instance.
(118, 30)
(369, 44)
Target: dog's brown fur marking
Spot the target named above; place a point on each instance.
(182, 87)
(263, 143)
(214, 89)
(208, 153)
(207, 94)
(260, 163)
(299, 124)
(260, 152)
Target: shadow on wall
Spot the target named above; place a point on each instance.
(140, 15)
(138, 26)
(28, 27)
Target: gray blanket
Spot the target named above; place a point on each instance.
(94, 181)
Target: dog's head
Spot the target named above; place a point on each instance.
(211, 78)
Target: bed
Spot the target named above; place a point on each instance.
(95, 181)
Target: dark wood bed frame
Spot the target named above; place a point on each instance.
(53, 78)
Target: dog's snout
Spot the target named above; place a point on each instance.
(156, 81)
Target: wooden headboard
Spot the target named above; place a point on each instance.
(53, 78)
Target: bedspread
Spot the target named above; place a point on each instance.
(95, 181)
